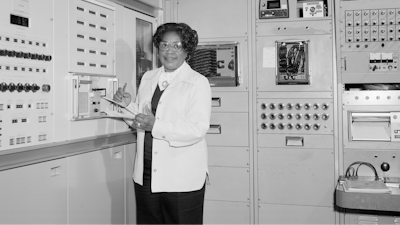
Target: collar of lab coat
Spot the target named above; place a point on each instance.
(185, 75)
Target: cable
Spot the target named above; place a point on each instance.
(355, 171)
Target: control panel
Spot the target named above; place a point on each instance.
(310, 116)
(26, 72)
(270, 9)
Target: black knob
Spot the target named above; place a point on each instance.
(11, 53)
(298, 106)
(264, 126)
(307, 116)
(289, 106)
(27, 87)
(306, 106)
(289, 126)
(281, 116)
(316, 116)
(272, 116)
(35, 88)
(385, 166)
(316, 126)
(20, 87)
(272, 106)
(289, 116)
(46, 87)
(263, 106)
(34, 56)
(307, 126)
(11, 87)
(27, 55)
(263, 116)
(325, 116)
(3, 87)
(281, 126)
(281, 106)
(299, 126)
(19, 54)
(272, 126)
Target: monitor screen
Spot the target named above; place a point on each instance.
(273, 5)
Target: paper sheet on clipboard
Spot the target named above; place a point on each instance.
(122, 113)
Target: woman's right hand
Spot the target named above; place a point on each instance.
(122, 96)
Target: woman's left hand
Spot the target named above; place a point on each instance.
(145, 122)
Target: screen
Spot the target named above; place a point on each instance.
(273, 5)
(19, 20)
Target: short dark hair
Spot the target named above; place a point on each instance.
(188, 36)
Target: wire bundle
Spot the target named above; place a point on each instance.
(204, 61)
(351, 172)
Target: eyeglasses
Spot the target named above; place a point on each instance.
(174, 46)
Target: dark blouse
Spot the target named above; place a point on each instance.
(148, 138)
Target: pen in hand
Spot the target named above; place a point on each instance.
(122, 96)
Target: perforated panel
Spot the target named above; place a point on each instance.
(91, 38)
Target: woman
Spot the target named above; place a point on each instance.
(171, 160)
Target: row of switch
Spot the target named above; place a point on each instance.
(25, 55)
(298, 116)
(290, 126)
(23, 87)
(297, 106)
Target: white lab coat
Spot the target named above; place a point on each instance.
(179, 158)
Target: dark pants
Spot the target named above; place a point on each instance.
(167, 207)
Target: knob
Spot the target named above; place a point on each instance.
(298, 116)
(281, 116)
(27, 87)
(289, 126)
(281, 126)
(3, 87)
(35, 88)
(289, 106)
(307, 126)
(263, 106)
(316, 116)
(272, 106)
(264, 126)
(299, 126)
(325, 116)
(46, 87)
(316, 126)
(385, 166)
(307, 116)
(281, 106)
(34, 56)
(19, 54)
(272, 126)
(263, 116)
(306, 106)
(298, 106)
(289, 116)
(96, 110)
(27, 55)
(20, 87)
(272, 116)
(325, 106)
(11, 53)
(11, 87)
(316, 106)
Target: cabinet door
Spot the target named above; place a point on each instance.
(34, 194)
(96, 187)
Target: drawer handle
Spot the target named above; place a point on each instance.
(214, 129)
(216, 102)
(294, 141)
